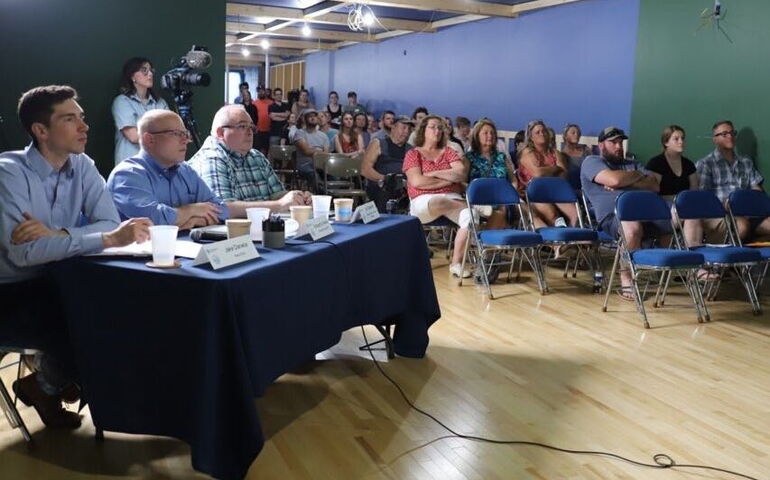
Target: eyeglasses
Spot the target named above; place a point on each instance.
(147, 70)
(243, 127)
(180, 134)
(728, 133)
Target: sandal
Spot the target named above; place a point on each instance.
(626, 293)
(704, 275)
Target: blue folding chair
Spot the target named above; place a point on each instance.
(749, 204)
(585, 240)
(644, 206)
(703, 204)
(498, 192)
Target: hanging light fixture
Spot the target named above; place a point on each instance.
(361, 17)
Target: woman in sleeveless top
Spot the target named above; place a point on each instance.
(334, 109)
(575, 152)
(486, 161)
(541, 159)
(348, 141)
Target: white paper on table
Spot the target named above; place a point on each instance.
(184, 248)
(131, 250)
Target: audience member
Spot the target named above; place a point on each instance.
(353, 106)
(237, 173)
(279, 114)
(325, 126)
(386, 121)
(462, 132)
(723, 171)
(386, 157)
(289, 132)
(575, 153)
(248, 104)
(604, 177)
(334, 109)
(418, 114)
(243, 87)
(158, 184)
(486, 161)
(361, 125)
(136, 97)
(302, 103)
(348, 141)
(541, 159)
(373, 127)
(52, 206)
(263, 104)
(309, 141)
(454, 142)
(435, 174)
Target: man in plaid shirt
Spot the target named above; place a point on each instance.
(237, 173)
(723, 171)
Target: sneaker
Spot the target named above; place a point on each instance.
(456, 270)
(560, 222)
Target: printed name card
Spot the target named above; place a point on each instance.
(367, 212)
(227, 252)
(317, 228)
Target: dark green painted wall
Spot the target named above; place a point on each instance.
(84, 43)
(693, 79)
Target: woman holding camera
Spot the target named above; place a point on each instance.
(136, 97)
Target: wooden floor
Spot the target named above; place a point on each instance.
(549, 369)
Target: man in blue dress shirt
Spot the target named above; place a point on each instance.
(52, 206)
(158, 184)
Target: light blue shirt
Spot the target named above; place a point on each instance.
(71, 199)
(141, 187)
(127, 110)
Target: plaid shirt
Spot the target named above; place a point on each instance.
(717, 175)
(235, 177)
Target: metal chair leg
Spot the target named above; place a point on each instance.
(612, 277)
(12, 414)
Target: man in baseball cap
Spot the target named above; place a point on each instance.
(603, 178)
(385, 157)
(308, 141)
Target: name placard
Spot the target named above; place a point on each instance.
(367, 212)
(227, 252)
(317, 228)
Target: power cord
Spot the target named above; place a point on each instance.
(662, 460)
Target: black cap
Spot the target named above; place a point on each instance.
(611, 133)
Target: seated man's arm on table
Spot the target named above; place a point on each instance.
(457, 173)
(29, 241)
(370, 158)
(133, 196)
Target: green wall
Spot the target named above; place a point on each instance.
(694, 79)
(84, 43)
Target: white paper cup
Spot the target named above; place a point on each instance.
(300, 213)
(256, 215)
(163, 238)
(238, 227)
(321, 206)
(343, 209)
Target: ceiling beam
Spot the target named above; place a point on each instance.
(463, 7)
(281, 13)
(289, 44)
(257, 28)
(539, 4)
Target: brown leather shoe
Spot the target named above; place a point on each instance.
(48, 406)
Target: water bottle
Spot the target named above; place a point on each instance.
(598, 281)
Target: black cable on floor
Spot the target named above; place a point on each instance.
(662, 460)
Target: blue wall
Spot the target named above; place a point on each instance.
(568, 64)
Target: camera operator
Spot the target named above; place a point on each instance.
(136, 97)
(385, 156)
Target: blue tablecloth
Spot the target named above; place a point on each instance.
(183, 353)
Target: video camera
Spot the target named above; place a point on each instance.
(181, 77)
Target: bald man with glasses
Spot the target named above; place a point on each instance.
(158, 183)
